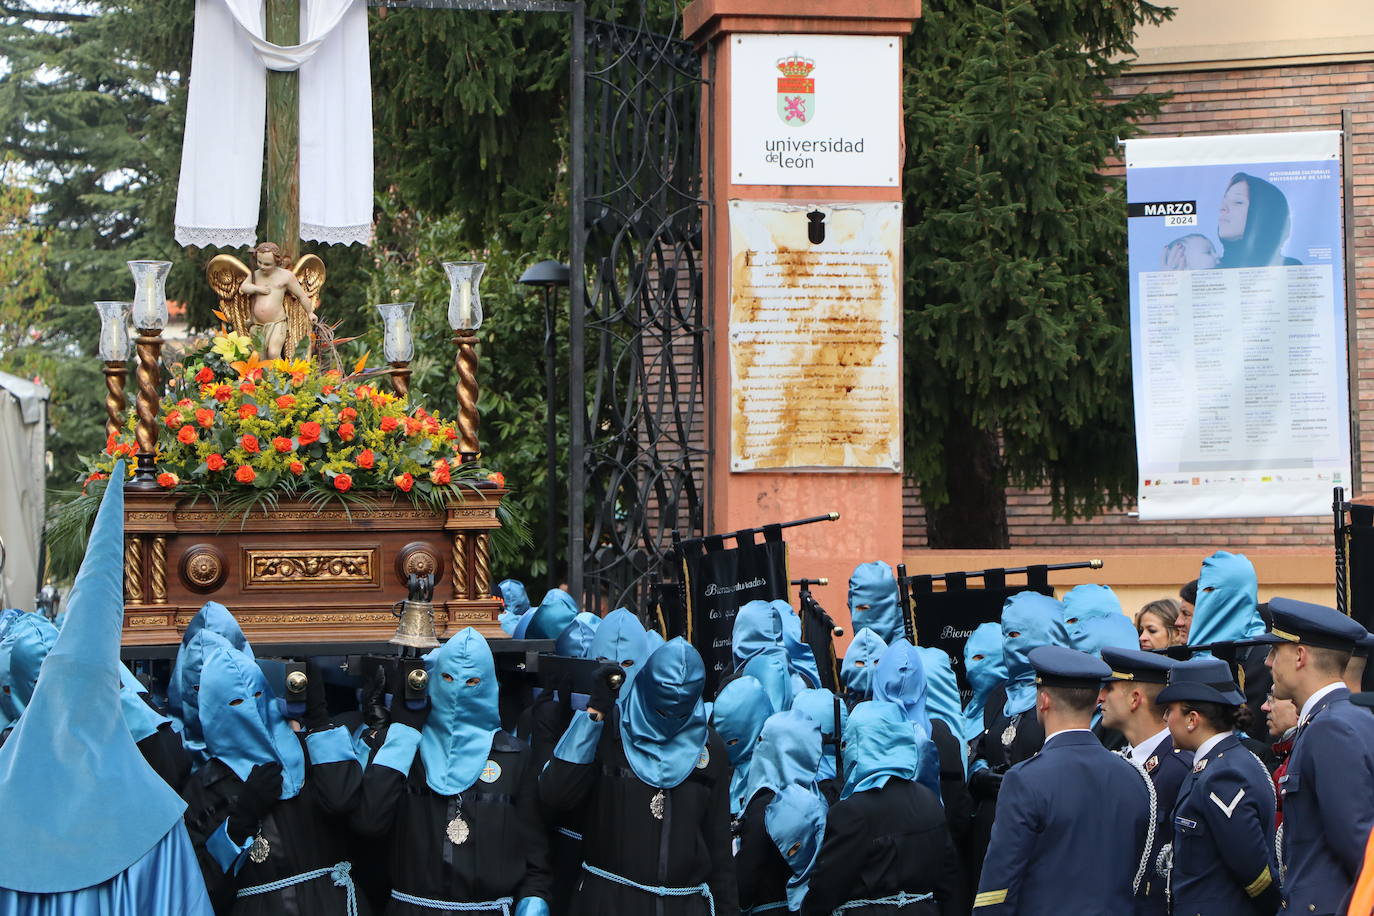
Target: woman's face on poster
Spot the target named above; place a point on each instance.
(1235, 205)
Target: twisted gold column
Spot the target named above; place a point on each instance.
(133, 570)
(466, 365)
(400, 379)
(482, 584)
(461, 578)
(115, 375)
(159, 566)
(149, 375)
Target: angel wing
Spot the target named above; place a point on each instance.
(310, 273)
(226, 274)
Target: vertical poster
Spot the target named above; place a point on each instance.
(717, 582)
(1238, 343)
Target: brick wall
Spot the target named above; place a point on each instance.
(1211, 102)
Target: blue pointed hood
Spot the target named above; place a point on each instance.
(554, 615)
(514, 599)
(1029, 620)
(738, 715)
(799, 655)
(26, 644)
(1098, 633)
(576, 639)
(860, 661)
(942, 695)
(464, 716)
(985, 670)
(215, 618)
(1087, 602)
(522, 625)
(788, 754)
(622, 639)
(141, 718)
(242, 721)
(795, 821)
(773, 671)
(662, 722)
(879, 743)
(1227, 601)
(873, 601)
(80, 803)
(188, 673)
(819, 704)
(901, 679)
(653, 641)
(758, 627)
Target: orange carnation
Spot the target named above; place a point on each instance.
(348, 413)
(286, 402)
(245, 474)
(346, 432)
(186, 435)
(343, 483)
(404, 482)
(205, 417)
(282, 444)
(205, 376)
(250, 444)
(389, 424)
(167, 479)
(223, 393)
(173, 420)
(440, 474)
(367, 460)
(297, 467)
(308, 433)
(248, 410)
(215, 462)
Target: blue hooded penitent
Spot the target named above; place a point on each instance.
(986, 670)
(942, 695)
(1029, 620)
(1087, 602)
(26, 644)
(553, 615)
(738, 715)
(788, 754)
(189, 670)
(216, 618)
(758, 627)
(576, 639)
(775, 674)
(799, 655)
(80, 803)
(522, 625)
(621, 639)
(879, 743)
(873, 601)
(463, 718)
(662, 723)
(860, 661)
(141, 718)
(1098, 633)
(819, 704)
(653, 641)
(514, 602)
(795, 821)
(7, 617)
(1227, 601)
(901, 679)
(242, 720)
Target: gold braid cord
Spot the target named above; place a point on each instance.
(133, 570)
(483, 577)
(159, 579)
(461, 577)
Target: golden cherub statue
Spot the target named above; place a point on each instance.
(277, 297)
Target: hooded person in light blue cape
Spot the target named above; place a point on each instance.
(860, 661)
(1087, 602)
(738, 715)
(942, 695)
(775, 674)
(88, 826)
(576, 639)
(1098, 633)
(757, 628)
(456, 739)
(242, 721)
(900, 679)
(788, 754)
(795, 821)
(7, 617)
(621, 639)
(1029, 620)
(879, 743)
(986, 670)
(1227, 601)
(873, 601)
(819, 704)
(662, 723)
(515, 601)
(554, 615)
(26, 644)
(217, 619)
(190, 667)
(141, 718)
(800, 656)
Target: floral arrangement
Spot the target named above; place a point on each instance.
(231, 425)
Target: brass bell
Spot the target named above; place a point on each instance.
(416, 627)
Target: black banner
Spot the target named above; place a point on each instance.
(717, 582)
(818, 633)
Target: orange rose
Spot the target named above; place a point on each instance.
(329, 389)
(389, 424)
(348, 413)
(223, 393)
(248, 388)
(404, 482)
(250, 444)
(205, 376)
(362, 391)
(343, 483)
(308, 433)
(184, 403)
(215, 462)
(286, 402)
(413, 426)
(205, 417)
(346, 432)
(245, 474)
(173, 420)
(497, 478)
(248, 410)
(440, 474)
(186, 435)
(282, 444)
(167, 479)
(367, 460)
(450, 434)
(297, 468)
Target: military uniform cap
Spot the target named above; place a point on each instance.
(1134, 665)
(1056, 666)
(1201, 680)
(1311, 625)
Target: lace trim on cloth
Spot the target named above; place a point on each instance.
(200, 237)
(337, 235)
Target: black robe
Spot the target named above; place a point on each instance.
(303, 833)
(542, 725)
(505, 855)
(763, 872)
(883, 841)
(690, 846)
(167, 756)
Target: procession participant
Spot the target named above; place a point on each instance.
(738, 715)
(1094, 636)
(1130, 705)
(621, 640)
(554, 614)
(985, 670)
(800, 657)
(795, 820)
(454, 797)
(655, 780)
(515, 601)
(1075, 808)
(1086, 602)
(7, 617)
(152, 732)
(1223, 854)
(88, 827)
(757, 628)
(860, 660)
(788, 754)
(1228, 611)
(874, 602)
(543, 723)
(27, 643)
(1328, 790)
(942, 702)
(772, 670)
(900, 679)
(217, 619)
(886, 848)
(821, 705)
(267, 810)
(1281, 721)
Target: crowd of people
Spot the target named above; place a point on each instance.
(1082, 775)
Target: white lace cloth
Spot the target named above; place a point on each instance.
(226, 114)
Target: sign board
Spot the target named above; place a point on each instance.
(816, 110)
(815, 336)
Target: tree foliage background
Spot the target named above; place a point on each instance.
(1015, 305)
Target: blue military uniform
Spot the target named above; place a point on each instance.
(1223, 853)
(1075, 811)
(1328, 790)
(1167, 767)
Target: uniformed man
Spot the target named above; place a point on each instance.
(1073, 810)
(1130, 705)
(1223, 861)
(1328, 790)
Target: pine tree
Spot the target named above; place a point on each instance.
(1016, 301)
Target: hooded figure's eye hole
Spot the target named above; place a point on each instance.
(6, 688)
(196, 688)
(861, 607)
(793, 850)
(448, 677)
(1072, 620)
(732, 742)
(979, 658)
(237, 701)
(1013, 634)
(258, 694)
(628, 663)
(474, 681)
(860, 664)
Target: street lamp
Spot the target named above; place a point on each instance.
(398, 342)
(149, 312)
(549, 276)
(115, 348)
(465, 318)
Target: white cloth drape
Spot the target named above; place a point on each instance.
(222, 154)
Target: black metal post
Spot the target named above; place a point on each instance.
(577, 402)
(551, 440)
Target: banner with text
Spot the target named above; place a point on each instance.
(1238, 345)
(719, 581)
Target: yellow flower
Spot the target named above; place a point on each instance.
(231, 346)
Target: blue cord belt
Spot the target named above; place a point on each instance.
(899, 899)
(480, 906)
(339, 873)
(703, 890)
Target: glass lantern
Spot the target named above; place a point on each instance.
(398, 337)
(150, 293)
(116, 344)
(464, 305)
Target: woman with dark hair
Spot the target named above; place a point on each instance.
(1253, 223)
